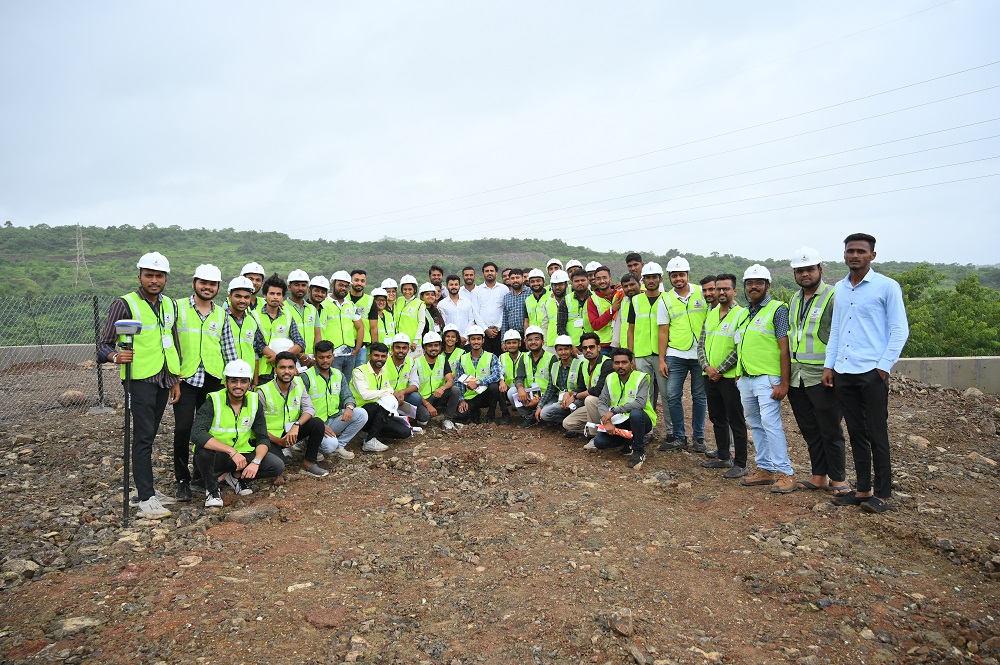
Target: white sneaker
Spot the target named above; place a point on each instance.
(151, 509)
(590, 445)
(373, 445)
(160, 496)
(343, 453)
(448, 425)
(213, 499)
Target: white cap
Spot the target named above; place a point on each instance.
(427, 287)
(240, 282)
(564, 340)
(451, 327)
(559, 277)
(379, 291)
(401, 338)
(474, 330)
(389, 283)
(555, 261)
(652, 268)
(408, 279)
(573, 264)
(320, 281)
(154, 261)
(238, 369)
(535, 272)
(279, 344)
(255, 268)
(757, 271)
(431, 337)
(298, 276)
(533, 330)
(805, 256)
(512, 334)
(678, 264)
(208, 272)
(592, 266)
(340, 276)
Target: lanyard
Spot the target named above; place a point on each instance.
(238, 414)
(326, 393)
(621, 387)
(800, 314)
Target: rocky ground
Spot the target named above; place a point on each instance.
(496, 545)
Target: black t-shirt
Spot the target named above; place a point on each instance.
(631, 310)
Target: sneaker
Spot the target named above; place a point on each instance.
(875, 505)
(316, 471)
(182, 490)
(783, 483)
(420, 423)
(636, 460)
(504, 419)
(213, 499)
(626, 450)
(718, 464)
(162, 498)
(197, 483)
(590, 445)
(571, 435)
(287, 453)
(448, 425)
(298, 447)
(699, 445)
(320, 457)
(758, 477)
(711, 453)
(527, 423)
(735, 472)
(668, 437)
(672, 444)
(241, 488)
(459, 425)
(152, 509)
(343, 453)
(373, 445)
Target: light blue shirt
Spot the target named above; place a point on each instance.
(869, 326)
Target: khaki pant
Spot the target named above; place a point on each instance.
(588, 413)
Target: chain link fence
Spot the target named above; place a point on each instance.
(48, 356)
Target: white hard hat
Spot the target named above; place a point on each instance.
(208, 272)
(535, 272)
(555, 261)
(451, 327)
(298, 276)
(255, 268)
(427, 287)
(389, 284)
(559, 277)
(320, 281)
(238, 369)
(757, 271)
(564, 340)
(408, 279)
(805, 256)
(431, 337)
(401, 338)
(678, 264)
(154, 261)
(279, 344)
(379, 291)
(240, 282)
(512, 334)
(534, 330)
(592, 266)
(340, 276)
(652, 268)
(474, 330)
(573, 264)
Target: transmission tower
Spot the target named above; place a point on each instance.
(81, 259)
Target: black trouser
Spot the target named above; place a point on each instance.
(493, 344)
(864, 401)
(817, 414)
(213, 462)
(148, 403)
(446, 404)
(311, 434)
(192, 397)
(725, 411)
(640, 425)
(487, 399)
(381, 422)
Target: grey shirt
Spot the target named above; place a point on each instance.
(641, 396)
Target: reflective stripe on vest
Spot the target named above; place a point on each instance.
(279, 410)
(306, 322)
(399, 378)
(539, 371)
(431, 378)
(375, 382)
(509, 368)
(453, 357)
(646, 336)
(201, 341)
(537, 309)
(686, 318)
(229, 429)
(719, 342)
(804, 343)
(552, 310)
(604, 334)
(337, 322)
(479, 371)
(363, 306)
(244, 335)
(324, 393)
(624, 324)
(577, 311)
(386, 327)
(622, 394)
(757, 348)
(272, 329)
(150, 345)
(573, 379)
(408, 317)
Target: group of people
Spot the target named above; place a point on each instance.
(308, 364)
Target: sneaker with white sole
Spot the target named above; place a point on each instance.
(373, 445)
(241, 488)
(590, 445)
(160, 496)
(287, 453)
(636, 460)
(213, 499)
(315, 471)
(152, 509)
(448, 425)
(298, 447)
(343, 453)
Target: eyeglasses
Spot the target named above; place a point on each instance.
(589, 346)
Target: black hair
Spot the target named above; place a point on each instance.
(358, 271)
(593, 336)
(726, 275)
(323, 346)
(284, 355)
(707, 278)
(860, 236)
(490, 263)
(433, 268)
(452, 278)
(468, 268)
(633, 256)
(579, 272)
(623, 351)
(516, 271)
(275, 280)
(602, 269)
(629, 277)
(378, 346)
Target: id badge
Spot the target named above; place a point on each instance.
(578, 323)
(168, 341)
(737, 336)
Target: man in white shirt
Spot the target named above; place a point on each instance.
(469, 283)
(488, 307)
(455, 309)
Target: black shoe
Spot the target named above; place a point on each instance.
(571, 435)
(636, 460)
(182, 490)
(626, 450)
(699, 446)
(505, 419)
(527, 423)
(735, 472)
(668, 437)
(673, 445)
(718, 464)
(197, 483)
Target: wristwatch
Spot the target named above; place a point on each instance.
(255, 461)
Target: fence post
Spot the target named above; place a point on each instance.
(97, 351)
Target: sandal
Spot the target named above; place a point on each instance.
(840, 490)
(806, 485)
(849, 499)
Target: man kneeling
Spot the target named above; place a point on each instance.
(625, 393)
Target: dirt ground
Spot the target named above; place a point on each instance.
(497, 545)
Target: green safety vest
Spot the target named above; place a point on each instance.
(337, 322)
(201, 341)
(757, 347)
(510, 367)
(480, 371)
(363, 306)
(154, 345)
(324, 393)
(577, 313)
(272, 329)
(622, 394)
(244, 338)
(686, 319)
(431, 378)
(386, 327)
(453, 357)
(592, 377)
(375, 381)
(573, 379)
(625, 325)
(537, 372)
(227, 427)
(537, 309)
(804, 343)
(604, 334)
(646, 336)
(306, 322)
(552, 312)
(408, 318)
(719, 342)
(398, 378)
(279, 409)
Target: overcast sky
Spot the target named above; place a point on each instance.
(632, 125)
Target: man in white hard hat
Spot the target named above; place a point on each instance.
(478, 377)
(156, 364)
(531, 377)
(341, 324)
(515, 312)
(591, 270)
(255, 273)
(370, 386)
(643, 337)
(399, 365)
(330, 392)
(559, 397)
(510, 359)
(814, 405)
(381, 324)
(487, 302)
(535, 303)
(206, 345)
(277, 325)
(363, 305)
(457, 311)
(319, 292)
(765, 366)
(289, 414)
(858, 361)
(627, 392)
(304, 313)
(230, 437)
(553, 265)
(436, 392)
(680, 315)
(556, 309)
(244, 323)
(391, 287)
(594, 371)
(603, 306)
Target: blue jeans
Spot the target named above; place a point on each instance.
(763, 414)
(345, 364)
(362, 357)
(677, 371)
(638, 422)
(343, 431)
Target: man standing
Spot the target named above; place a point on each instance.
(556, 309)
(206, 345)
(435, 381)
(867, 335)
(469, 284)
(680, 316)
(255, 273)
(707, 284)
(625, 393)
(531, 377)
(155, 366)
(478, 368)
(603, 306)
(515, 311)
(488, 303)
(644, 336)
(276, 322)
(633, 263)
(594, 370)
(369, 386)
(304, 313)
(630, 288)
(435, 275)
(363, 304)
(319, 291)
(455, 309)
(535, 303)
(329, 390)
(553, 265)
(764, 365)
(289, 412)
(577, 321)
(244, 324)
(341, 325)
(718, 358)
